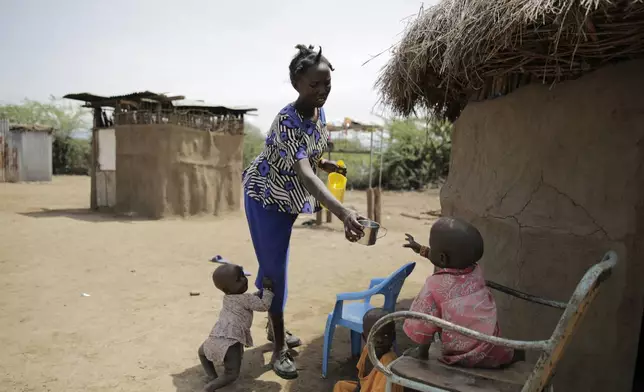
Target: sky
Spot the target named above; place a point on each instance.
(228, 53)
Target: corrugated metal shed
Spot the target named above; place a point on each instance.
(26, 152)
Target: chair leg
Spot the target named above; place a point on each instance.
(356, 343)
(328, 339)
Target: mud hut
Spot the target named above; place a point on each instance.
(103, 159)
(159, 155)
(548, 103)
(189, 162)
(25, 152)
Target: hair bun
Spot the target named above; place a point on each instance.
(304, 48)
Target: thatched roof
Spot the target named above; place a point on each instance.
(93, 100)
(462, 50)
(218, 110)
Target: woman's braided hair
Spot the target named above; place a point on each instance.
(305, 59)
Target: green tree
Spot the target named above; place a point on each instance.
(69, 155)
(418, 154)
(253, 143)
(62, 116)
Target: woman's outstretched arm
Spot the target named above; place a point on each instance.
(318, 189)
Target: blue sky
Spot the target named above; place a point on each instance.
(229, 53)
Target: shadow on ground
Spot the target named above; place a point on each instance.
(341, 365)
(253, 367)
(83, 214)
(309, 362)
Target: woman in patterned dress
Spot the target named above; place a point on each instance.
(282, 182)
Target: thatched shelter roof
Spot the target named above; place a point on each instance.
(93, 100)
(463, 50)
(218, 110)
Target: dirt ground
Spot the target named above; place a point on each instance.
(139, 329)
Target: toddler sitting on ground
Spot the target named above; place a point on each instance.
(225, 344)
(457, 293)
(369, 378)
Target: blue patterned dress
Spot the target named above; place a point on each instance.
(274, 195)
(270, 178)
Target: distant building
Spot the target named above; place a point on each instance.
(156, 155)
(25, 152)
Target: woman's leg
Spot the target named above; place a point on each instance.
(271, 233)
(276, 322)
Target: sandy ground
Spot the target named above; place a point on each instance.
(139, 329)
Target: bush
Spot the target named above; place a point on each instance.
(71, 156)
(253, 143)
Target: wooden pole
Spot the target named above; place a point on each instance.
(377, 195)
(370, 212)
(318, 218)
(93, 198)
(377, 206)
(382, 141)
(158, 109)
(329, 215)
(371, 161)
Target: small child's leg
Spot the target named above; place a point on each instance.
(208, 366)
(232, 367)
(423, 351)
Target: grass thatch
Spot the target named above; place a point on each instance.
(461, 50)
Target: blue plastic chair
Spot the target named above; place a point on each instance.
(350, 315)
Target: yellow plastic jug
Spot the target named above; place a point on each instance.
(337, 183)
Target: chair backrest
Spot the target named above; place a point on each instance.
(391, 286)
(581, 298)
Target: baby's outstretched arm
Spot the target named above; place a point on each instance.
(415, 246)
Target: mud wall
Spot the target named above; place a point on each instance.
(165, 170)
(553, 179)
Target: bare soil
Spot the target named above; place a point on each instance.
(97, 302)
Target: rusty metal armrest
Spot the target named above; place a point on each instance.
(526, 296)
(538, 345)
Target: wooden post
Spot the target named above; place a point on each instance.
(318, 218)
(371, 161)
(158, 113)
(377, 206)
(382, 140)
(378, 195)
(93, 200)
(329, 215)
(370, 212)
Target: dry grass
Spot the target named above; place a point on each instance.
(478, 49)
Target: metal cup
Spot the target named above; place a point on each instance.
(371, 230)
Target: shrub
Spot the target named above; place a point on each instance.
(71, 156)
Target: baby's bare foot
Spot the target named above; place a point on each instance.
(210, 387)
